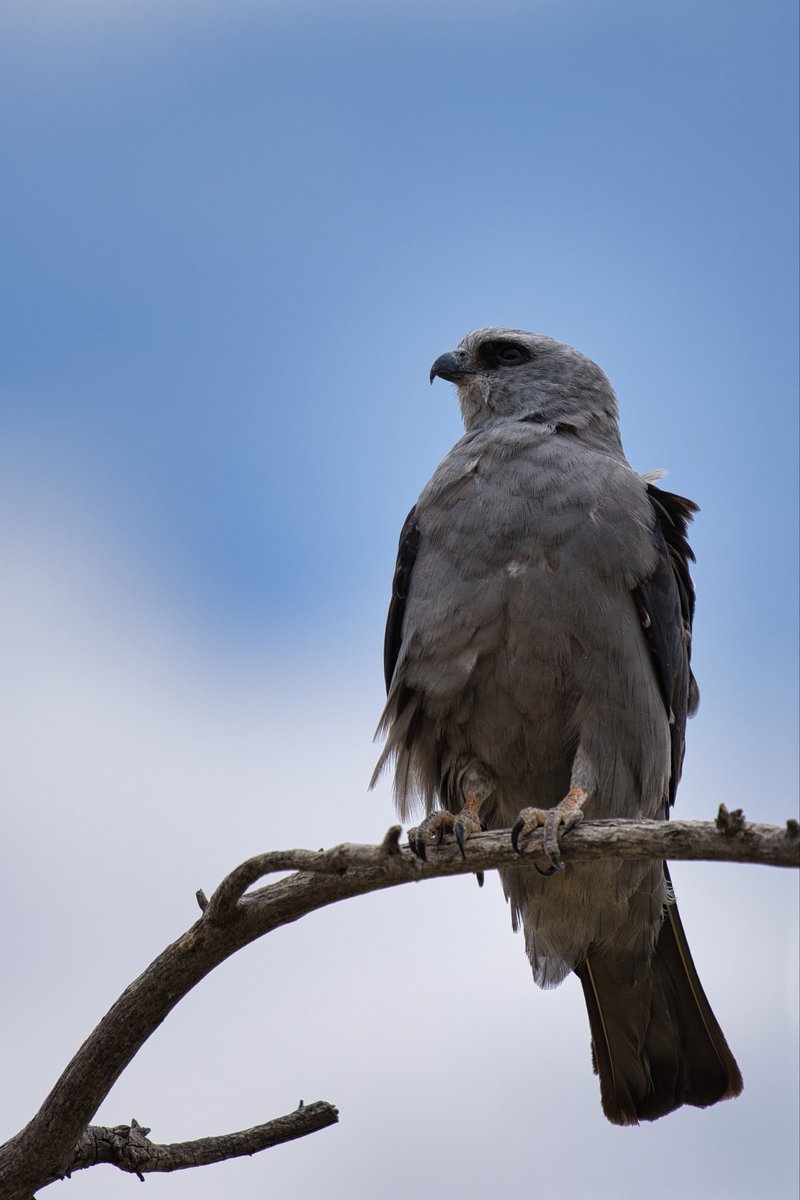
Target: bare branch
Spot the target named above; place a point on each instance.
(129, 1148)
(46, 1148)
(729, 839)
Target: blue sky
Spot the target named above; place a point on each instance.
(237, 235)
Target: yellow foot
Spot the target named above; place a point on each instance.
(437, 824)
(562, 817)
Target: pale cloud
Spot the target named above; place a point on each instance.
(141, 761)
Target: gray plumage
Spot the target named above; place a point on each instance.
(538, 640)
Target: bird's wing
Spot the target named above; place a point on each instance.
(406, 557)
(666, 606)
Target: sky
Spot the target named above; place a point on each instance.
(236, 236)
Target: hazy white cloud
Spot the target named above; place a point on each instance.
(141, 762)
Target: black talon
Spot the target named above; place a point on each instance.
(554, 859)
(479, 877)
(550, 870)
(458, 830)
(519, 825)
(417, 846)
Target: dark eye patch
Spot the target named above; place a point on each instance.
(503, 354)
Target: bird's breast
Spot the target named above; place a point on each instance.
(527, 552)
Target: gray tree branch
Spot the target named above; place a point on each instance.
(129, 1148)
(58, 1139)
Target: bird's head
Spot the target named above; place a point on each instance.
(508, 373)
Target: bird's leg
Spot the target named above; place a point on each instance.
(475, 786)
(559, 820)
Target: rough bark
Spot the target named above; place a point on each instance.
(129, 1148)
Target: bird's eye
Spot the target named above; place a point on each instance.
(504, 354)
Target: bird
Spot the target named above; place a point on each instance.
(537, 665)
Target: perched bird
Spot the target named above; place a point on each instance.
(537, 661)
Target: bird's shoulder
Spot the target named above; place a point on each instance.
(518, 466)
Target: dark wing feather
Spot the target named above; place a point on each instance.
(665, 603)
(656, 1044)
(406, 557)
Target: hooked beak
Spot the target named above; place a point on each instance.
(452, 366)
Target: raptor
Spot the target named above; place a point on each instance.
(537, 662)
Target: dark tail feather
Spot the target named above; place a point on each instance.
(656, 1044)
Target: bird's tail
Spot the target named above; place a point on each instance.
(656, 1044)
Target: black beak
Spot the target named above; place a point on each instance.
(451, 366)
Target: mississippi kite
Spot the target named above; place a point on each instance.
(537, 662)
